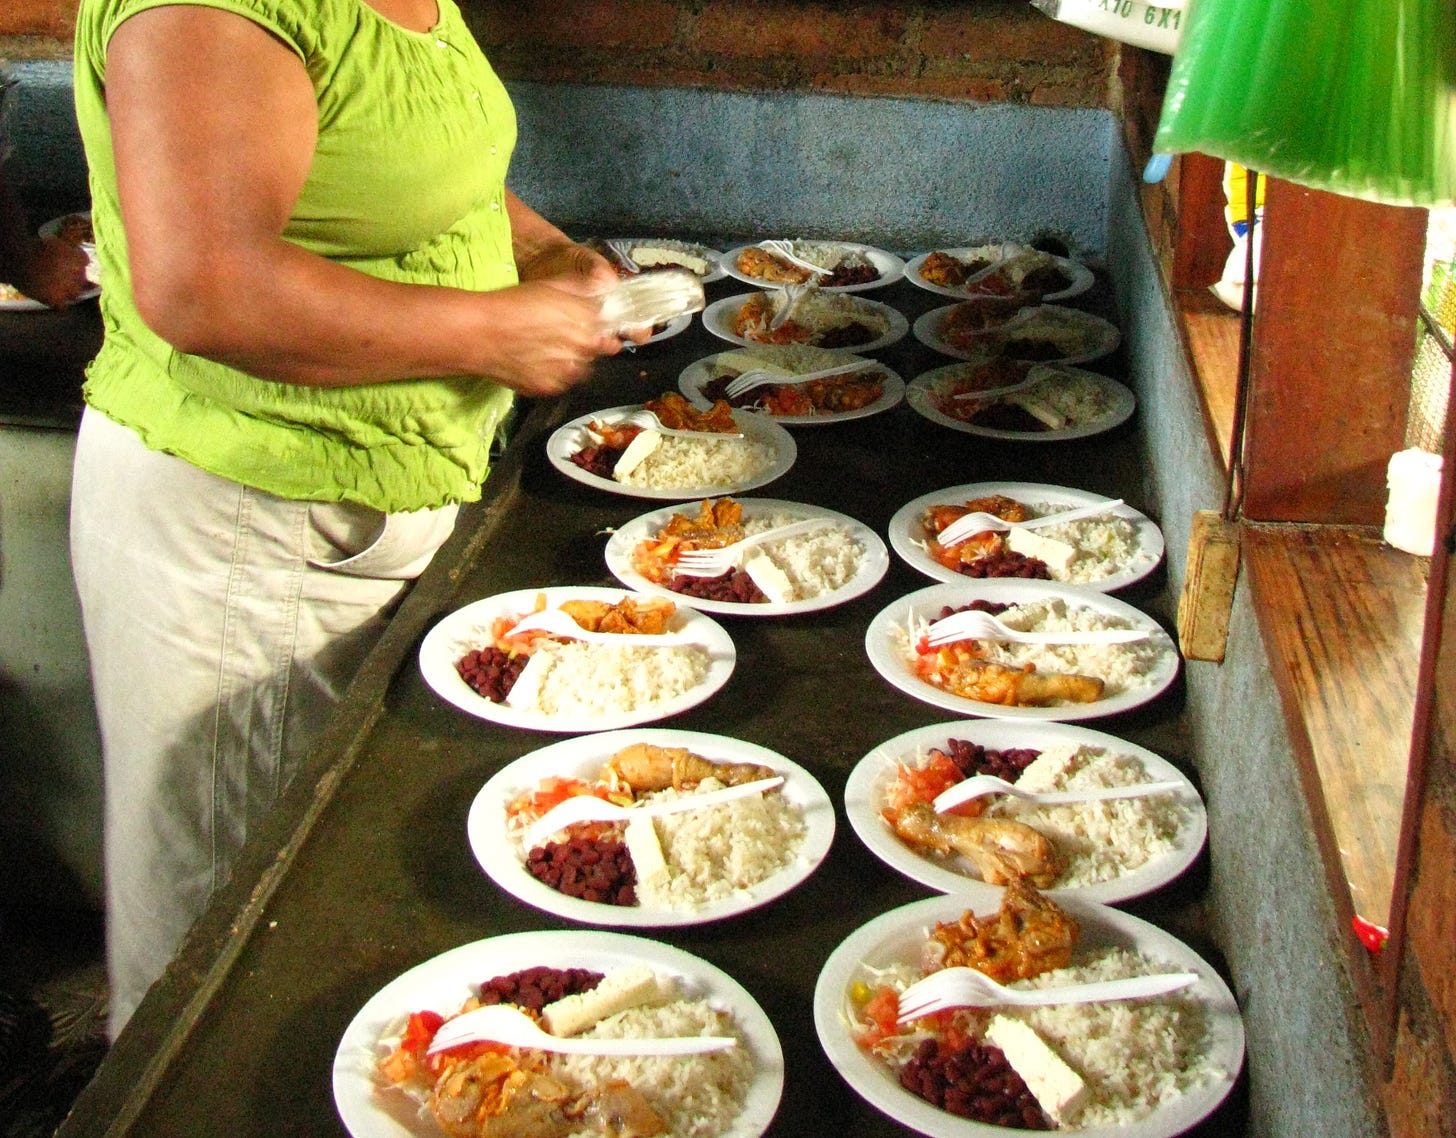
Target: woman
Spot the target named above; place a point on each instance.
(46, 269)
(311, 260)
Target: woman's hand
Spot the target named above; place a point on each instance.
(53, 272)
(570, 261)
(547, 336)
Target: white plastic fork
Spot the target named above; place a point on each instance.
(981, 784)
(978, 521)
(623, 252)
(757, 377)
(649, 421)
(590, 808)
(716, 562)
(785, 249)
(559, 623)
(961, 987)
(1038, 376)
(974, 625)
(499, 1023)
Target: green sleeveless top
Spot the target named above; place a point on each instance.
(407, 184)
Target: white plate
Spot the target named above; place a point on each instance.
(719, 317)
(872, 566)
(469, 627)
(583, 757)
(891, 267)
(924, 388)
(907, 534)
(1080, 275)
(865, 791)
(569, 438)
(673, 327)
(886, 656)
(896, 937)
(52, 228)
(26, 304)
(444, 983)
(712, 256)
(1097, 336)
(698, 374)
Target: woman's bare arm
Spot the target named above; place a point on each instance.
(214, 123)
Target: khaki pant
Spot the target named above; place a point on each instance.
(223, 624)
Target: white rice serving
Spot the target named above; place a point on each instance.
(818, 562)
(698, 1096)
(1075, 396)
(1121, 667)
(1099, 840)
(1136, 1056)
(575, 678)
(822, 311)
(1105, 546)
(723, 850)
(679, 463)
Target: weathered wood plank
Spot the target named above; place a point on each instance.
(1342, 615)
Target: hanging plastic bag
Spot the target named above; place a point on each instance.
(1356, 97)
(1154, 26)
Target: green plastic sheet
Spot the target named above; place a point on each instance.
(1353, 96)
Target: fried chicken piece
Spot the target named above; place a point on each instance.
(624, 1112)
(645, 767)
(969, 676)
(676, 413)
(1002, 850)
(937, 517)
(947, 271)
(492, 1096)
(625, 616)
(718, 524)
(766, 266)
(1027, 936)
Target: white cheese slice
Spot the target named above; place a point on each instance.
(650, 256)
(640, 836)
(1059, 1089)
(638, 449)
(628, 988)
(1039, 410)
(1028, 543)
(741, 361)
(772, 581)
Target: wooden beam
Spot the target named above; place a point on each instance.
(1333, 343)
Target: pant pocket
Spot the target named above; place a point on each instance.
(401, 545)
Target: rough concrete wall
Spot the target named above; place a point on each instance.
(1309, 1065)
(595, 159)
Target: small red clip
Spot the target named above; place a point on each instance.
(1371, 935)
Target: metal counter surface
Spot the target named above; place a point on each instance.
(366, 871)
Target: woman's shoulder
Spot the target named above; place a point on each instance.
(306, 25)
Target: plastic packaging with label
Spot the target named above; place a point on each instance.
(1157, 27)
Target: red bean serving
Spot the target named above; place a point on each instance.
(536, 987)
(593, 869)
(491, 672)
(735, 585)
(1007, 563)
(973, 758)
(973, 1081)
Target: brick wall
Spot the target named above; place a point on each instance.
(984, 50)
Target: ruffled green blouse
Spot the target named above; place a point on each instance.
(407, 184)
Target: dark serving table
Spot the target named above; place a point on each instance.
(366, 872)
